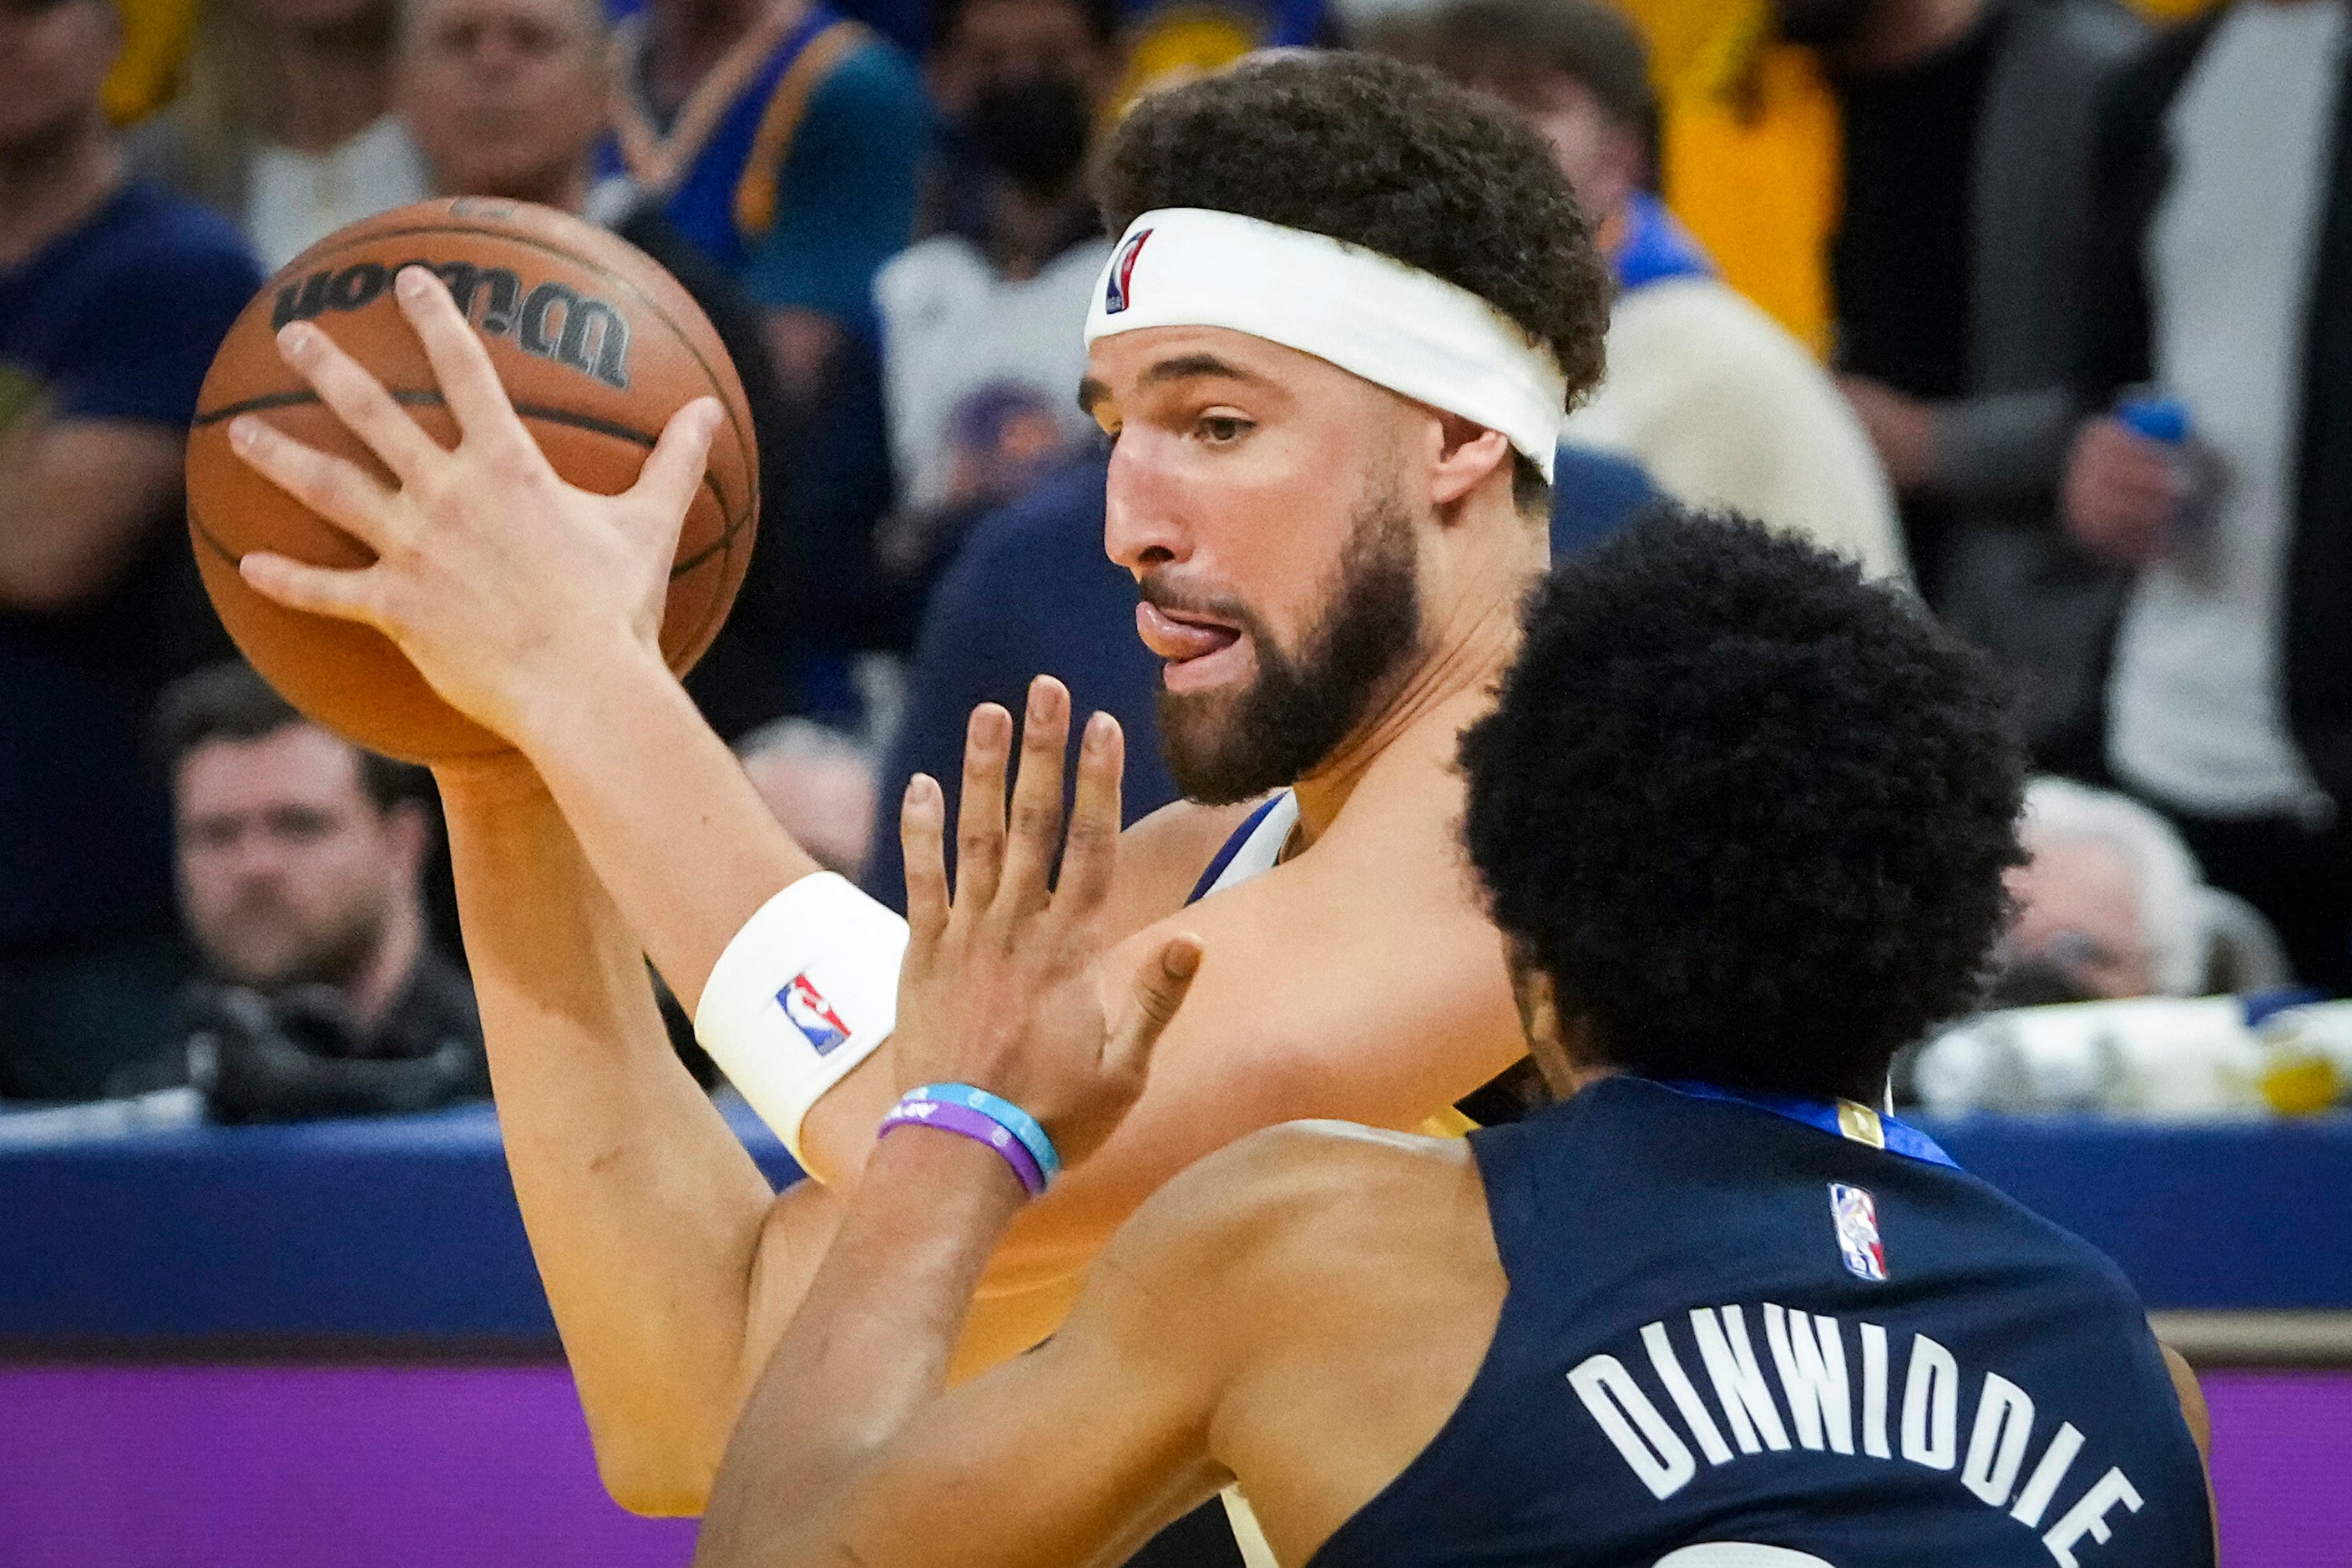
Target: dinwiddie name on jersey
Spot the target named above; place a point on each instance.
(1911, 1410)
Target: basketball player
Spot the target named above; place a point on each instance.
(1742, 819)
(1334, 348)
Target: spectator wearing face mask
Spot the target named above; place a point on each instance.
(981, 342)
(968, 396)
(301, 862)
(283, 123)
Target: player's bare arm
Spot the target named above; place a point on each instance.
(1339, 519)
(688, 851)
(1206, 1344)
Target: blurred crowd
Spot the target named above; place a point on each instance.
(2031, 306)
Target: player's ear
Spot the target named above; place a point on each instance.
(1466, 453)
(1531, 990)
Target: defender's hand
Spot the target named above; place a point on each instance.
(498, 581)
(1001, 986)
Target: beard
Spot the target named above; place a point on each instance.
(1223, 746)
(264, 944)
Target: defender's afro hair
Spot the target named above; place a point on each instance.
(1750, 813)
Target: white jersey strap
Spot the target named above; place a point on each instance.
(1254, 848)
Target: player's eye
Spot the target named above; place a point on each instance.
(1222, 429)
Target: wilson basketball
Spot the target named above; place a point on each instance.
(597, 347)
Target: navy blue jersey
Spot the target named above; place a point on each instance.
(1736, 1340)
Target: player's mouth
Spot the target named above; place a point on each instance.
(1200, 652)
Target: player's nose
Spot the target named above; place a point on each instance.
(1142, 524)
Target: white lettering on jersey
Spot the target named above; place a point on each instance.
(1657, 1455)
(1686, 1397)
(2089, 1516)
(1997, 1443)
(2056, 1460)
(1808, 1353)
(1873, 1391)
(1739, 1386)
(1931, 1406)
(1812, 1376)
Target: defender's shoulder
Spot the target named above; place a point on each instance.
(1298, 1208)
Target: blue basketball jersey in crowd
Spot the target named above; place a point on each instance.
(1739, 1334)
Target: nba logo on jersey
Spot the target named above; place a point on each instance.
(1122, 267)
(1857, 1231)
(807, 1010)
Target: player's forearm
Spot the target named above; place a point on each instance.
(869, 1348)
(645, 1213)
(673, 827)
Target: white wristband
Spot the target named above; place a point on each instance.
(804, 993)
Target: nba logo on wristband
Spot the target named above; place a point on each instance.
(807, 1010)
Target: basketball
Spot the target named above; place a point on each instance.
(597, 347)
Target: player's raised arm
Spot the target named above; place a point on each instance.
(532, 606)
(1012, 1068)
(1336, 420)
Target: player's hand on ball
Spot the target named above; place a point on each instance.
(1002, 986)
(495, 577)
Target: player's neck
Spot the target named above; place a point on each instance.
(1448, 683)
(48, 190)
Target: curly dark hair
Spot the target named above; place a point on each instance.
(1748, 812)
(1386, 155)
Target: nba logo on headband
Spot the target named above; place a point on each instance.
(1122, 267)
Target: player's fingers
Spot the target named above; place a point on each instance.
(1161, 984)
(461, 366)
(358, 399)
(1036, 825)
(667, 484)
(347, 596)
(922, 821)
(1093, 847)
(980, 810)
(339, 490)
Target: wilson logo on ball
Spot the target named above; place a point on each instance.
(553, 320)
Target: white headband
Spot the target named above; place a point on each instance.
(1368, 313)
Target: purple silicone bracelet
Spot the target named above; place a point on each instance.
(950, 1117)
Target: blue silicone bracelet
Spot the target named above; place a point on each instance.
(1001, 1112)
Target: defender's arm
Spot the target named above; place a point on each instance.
(852, 1450)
